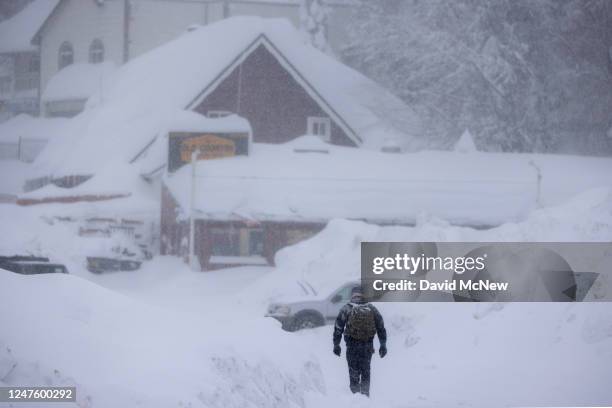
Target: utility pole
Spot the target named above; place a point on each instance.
(539, 183)
(192, 257)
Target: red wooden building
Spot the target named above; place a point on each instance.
(285, 89)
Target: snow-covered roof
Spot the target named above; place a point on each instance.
(17, 32)
(78, 81)
(28, 127)
(308, 180)
(123, 117)
(122, 175)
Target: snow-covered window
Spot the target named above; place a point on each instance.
(319, 126)
(66, 55)
(96, 51)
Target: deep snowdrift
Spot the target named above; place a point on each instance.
(165, 336)
(122, 353)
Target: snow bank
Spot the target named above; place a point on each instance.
(166, 336)
(122, 353)
(333, 256)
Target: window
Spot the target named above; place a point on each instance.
(96, 51)
(225, 241)
(319, 126)
(232, 241)
(344, 294)
(256, 241)
(66, 55)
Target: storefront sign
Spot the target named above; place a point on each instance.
(209, 146)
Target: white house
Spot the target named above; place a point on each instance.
(19, 59)
(87, 32)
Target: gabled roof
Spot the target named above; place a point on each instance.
(122, 118)
(186, 69)
(263, 40)
(17, 32)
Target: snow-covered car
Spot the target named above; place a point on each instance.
(30, 265)
(313, 310)
(118, 258)
(102, 264)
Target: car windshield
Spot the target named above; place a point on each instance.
(344, 293)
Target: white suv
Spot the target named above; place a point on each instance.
(315, 310)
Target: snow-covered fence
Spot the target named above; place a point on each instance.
(25, 149)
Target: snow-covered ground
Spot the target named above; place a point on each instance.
(165, 336)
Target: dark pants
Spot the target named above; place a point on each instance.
(359, 356)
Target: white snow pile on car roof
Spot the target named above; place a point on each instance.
(78, 81)
(17, 32)
(121, 118)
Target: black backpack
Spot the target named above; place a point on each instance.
(361, 324)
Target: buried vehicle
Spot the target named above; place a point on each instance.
(119, 258)
(30, 265)
(314, 310)
(102, 264)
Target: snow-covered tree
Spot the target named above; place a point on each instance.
(313, 22)
(524, 76)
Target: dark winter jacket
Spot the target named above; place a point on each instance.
(342, 319)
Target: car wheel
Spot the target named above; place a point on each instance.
(306, 321)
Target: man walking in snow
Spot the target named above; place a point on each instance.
(362, 321)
